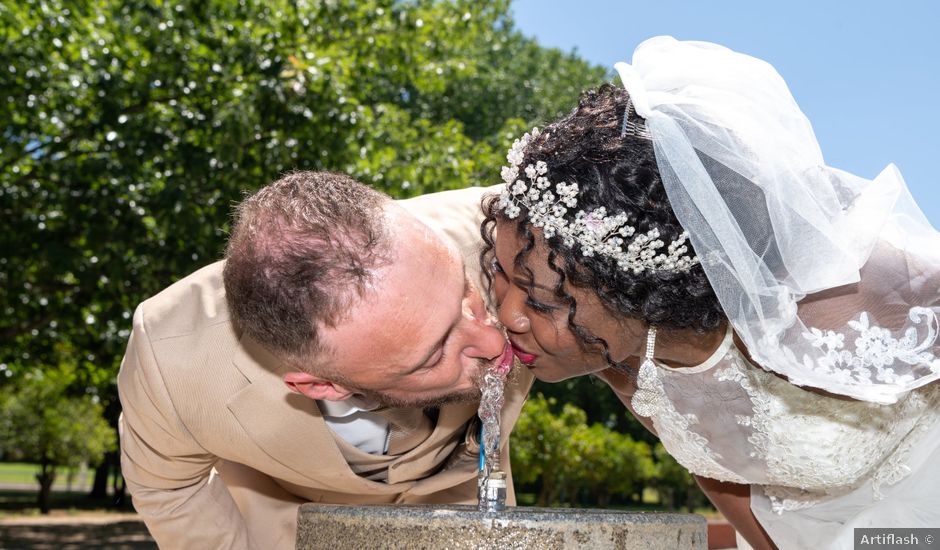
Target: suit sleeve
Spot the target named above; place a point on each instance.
(167, 472)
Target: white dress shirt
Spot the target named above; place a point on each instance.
(352, 420)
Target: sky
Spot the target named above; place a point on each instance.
(865, 73)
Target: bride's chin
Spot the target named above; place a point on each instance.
(550, 375)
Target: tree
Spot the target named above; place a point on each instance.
(40, 423)
(130, 127)
(569, 459)
(675, 484)
(599, 403)
(541, 447)
(612, 464)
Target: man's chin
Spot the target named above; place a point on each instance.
(471, 395)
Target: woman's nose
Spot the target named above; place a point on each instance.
(512, 313)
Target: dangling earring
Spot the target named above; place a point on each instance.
(650, 396)
(650, 346)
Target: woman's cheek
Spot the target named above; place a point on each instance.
(500, 285)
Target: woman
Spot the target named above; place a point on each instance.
(772, 319)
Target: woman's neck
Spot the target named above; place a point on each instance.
(680, 348)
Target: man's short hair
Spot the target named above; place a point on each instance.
(301, 252)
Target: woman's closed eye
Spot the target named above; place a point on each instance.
(540, 307)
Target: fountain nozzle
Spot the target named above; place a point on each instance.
(493, 495)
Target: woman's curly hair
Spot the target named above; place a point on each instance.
(620, 174)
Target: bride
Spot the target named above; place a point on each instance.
(772, 319)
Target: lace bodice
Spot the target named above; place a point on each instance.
(729, 420)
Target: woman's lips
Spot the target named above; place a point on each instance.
(524, 357)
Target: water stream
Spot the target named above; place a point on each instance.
(492, 481)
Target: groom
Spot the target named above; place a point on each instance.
(332, 357)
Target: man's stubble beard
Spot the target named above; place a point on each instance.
(466, 396)
(471, 395)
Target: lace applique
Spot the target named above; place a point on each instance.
(876, 349)
(895, 467)
(782, 498)
(797, 481)
(689, 448)
(788, 499)
(759, 421)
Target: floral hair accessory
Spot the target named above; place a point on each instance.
(596, 232)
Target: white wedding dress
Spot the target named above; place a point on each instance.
(818, 465)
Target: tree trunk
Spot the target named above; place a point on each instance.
(112, 459)
(118, 486)
(99, 488)
(666, 498)
(547, 493)
(45, 477)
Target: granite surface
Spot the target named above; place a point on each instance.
(411, 527)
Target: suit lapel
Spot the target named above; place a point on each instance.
(427, 458)
(290, 429)
(288, 426)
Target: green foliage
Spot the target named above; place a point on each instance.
(130, 127)
(554, 448)
(40, 423)
(540, 447)
(610, 463)
(599, 404)
(675, 485)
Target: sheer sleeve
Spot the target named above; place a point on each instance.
(882, 328)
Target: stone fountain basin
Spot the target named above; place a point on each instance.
(412, 527)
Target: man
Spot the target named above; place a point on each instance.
(332, 357)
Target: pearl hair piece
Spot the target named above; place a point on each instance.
(596, 232)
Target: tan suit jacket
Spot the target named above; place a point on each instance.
(218, 453)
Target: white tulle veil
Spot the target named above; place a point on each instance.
(773, 224)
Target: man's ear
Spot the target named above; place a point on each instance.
(315, 387)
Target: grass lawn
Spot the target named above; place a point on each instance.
(19, 473)
(19, 490)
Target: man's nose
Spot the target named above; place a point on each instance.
(485, 340)
(512, 311)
